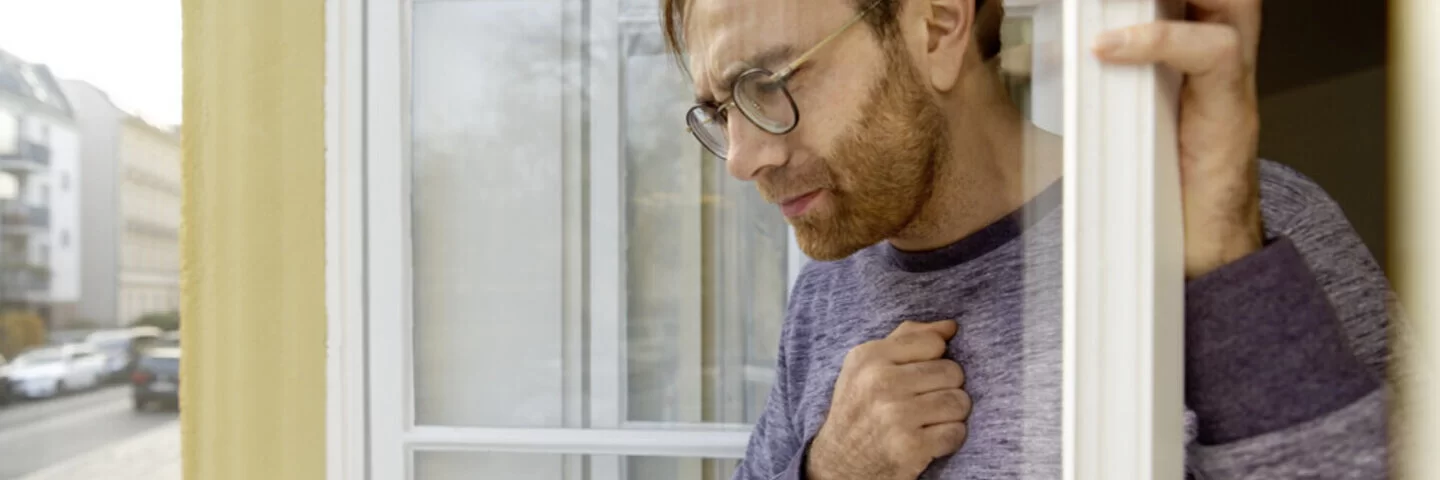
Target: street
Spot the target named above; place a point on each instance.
(36, 435)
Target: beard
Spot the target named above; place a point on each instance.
(880, 173)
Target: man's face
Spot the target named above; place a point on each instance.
(859, 164)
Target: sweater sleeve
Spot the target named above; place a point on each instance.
(1276, 388)
(1287, 350)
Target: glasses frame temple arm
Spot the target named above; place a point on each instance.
(805, 57)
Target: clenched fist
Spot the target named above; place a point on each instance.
(897, 406)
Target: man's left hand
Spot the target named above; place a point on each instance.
(1219, 128)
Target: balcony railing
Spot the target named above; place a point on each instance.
(18, 281)
(24, 216)
(30, 155)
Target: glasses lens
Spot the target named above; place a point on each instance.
(709, 130)
(765, 101)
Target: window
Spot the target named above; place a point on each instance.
(64, 181)
(9, 133)
(554, 267)
(64, 239)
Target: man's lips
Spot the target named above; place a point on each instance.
(796, 205)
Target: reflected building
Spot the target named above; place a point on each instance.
(131, 210)
(39, 198)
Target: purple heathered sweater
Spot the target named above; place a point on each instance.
(1284, 362)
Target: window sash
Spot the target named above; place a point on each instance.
(1120, 172)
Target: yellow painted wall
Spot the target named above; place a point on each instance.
(254, 240)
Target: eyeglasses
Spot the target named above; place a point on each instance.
(759, 95)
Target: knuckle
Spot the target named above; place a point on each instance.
(870, 380)
(932, 369)
(954, 373)
(909, 443)
(905, 341)
(963, 401)
(860, 354)
(1150, 36)
(955, 437)
(922, 342)
(1229, 41)
(954, 398)
(889, 413)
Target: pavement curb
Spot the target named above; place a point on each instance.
(151, 455)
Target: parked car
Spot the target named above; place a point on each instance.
(157, 378)
(4, 382)
(49, 371)
(121, 347)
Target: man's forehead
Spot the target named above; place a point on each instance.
(719, 33)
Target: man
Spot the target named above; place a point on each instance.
(925, 341)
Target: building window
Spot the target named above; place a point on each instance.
(9, 133)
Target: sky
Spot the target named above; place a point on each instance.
(128, 48)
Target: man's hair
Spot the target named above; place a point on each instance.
(882, 18)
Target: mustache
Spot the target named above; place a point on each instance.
(787, 182)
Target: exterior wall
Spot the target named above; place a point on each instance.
(254, 240)
(99, 122)
(65, 228)
(149, 213)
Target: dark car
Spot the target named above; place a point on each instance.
(156, 378)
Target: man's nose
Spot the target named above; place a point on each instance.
(753, 150)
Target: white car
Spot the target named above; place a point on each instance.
(46, 372)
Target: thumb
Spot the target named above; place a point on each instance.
(944, 328)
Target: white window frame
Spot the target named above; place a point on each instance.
(1123, 257)
(1120, 172)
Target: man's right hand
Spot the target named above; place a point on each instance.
(897, 405)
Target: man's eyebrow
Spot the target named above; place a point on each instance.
(767, 58)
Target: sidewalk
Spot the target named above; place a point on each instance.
(153, 455)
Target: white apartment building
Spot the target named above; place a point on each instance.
(131, 209)
(39, 193)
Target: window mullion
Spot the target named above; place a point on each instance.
(582, 441)
(1123, 286)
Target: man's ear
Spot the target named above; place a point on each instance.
(948, 26)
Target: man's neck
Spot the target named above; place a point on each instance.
(997, 162)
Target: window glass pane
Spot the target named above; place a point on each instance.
(487, 227)
(488, 465)
(705, 259)
(530, 466)
(9, 134)
(706, 263)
